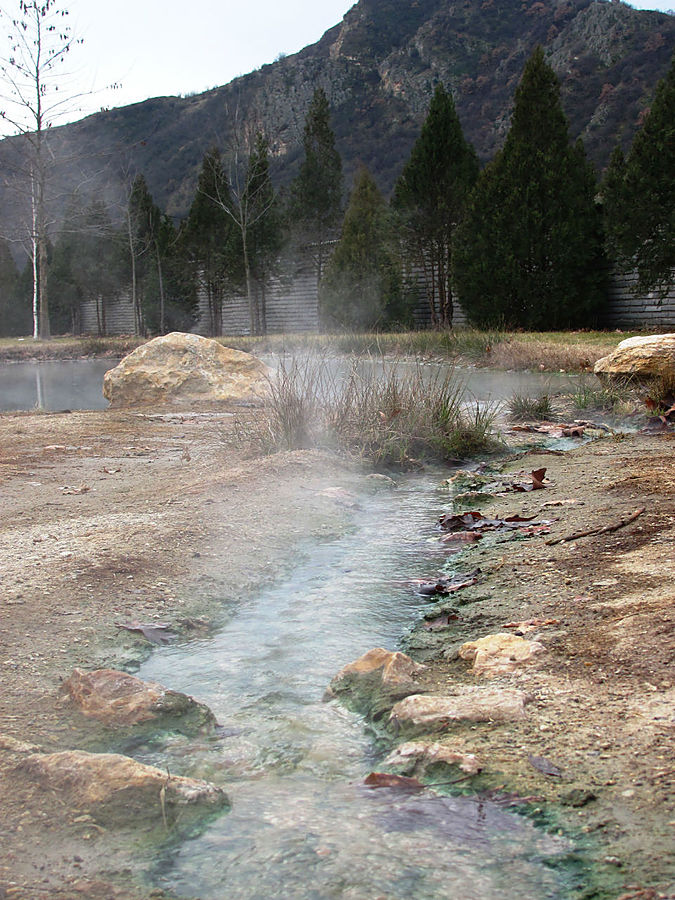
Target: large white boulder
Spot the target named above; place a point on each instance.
(187, 369)
(647, 357)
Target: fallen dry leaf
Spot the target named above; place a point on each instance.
(445, 586)
(155, 632)
(384, 779)
(545, 766)
(440, 622)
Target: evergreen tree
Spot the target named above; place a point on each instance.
(264, 237)
(86, 265)
(639, 196)
(159, 301)
(529, 250)
(316, 193)
(362, 285)
(210, 239)
(430, 196)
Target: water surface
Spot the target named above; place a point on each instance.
(302, 824)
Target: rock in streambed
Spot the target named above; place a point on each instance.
(116, 699)
(417, 757)
(120, 791)
(424, 714)
(374, 682)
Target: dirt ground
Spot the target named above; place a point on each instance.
(115, 518)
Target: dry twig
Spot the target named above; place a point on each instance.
(604, 530)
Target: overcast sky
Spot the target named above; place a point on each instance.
(162, 47)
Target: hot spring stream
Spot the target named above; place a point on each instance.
(302, 825)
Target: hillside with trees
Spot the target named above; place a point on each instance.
(379, 68)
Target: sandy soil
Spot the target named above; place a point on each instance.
(112, 518)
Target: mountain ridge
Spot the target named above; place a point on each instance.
(379, 66)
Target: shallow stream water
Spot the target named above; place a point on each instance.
(302, 825)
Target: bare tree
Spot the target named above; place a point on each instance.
(247, 196)
(32, 98)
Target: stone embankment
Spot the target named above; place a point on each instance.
(541, 674)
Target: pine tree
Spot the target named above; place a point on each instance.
(264, 238)
(529, 250)
(430, 196)
(362, 285)
(152, 243)
(316, 193)
(86, 265)
(639, 196)
(211, 241)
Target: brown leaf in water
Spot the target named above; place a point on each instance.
(385, 779)
(475, 521)
(461, 537)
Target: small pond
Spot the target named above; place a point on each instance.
(77, 384)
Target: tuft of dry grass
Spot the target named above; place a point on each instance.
(375, 412)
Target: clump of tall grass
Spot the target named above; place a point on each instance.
(606, 396)
(538, 409)
(380, 413)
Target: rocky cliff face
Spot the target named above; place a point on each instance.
(379, 67)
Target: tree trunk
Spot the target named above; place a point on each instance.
(162, 305)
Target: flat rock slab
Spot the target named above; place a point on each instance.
(118, 699)
(415, 757)
(497, 654)
(420, 713)
(376, 680)
(647, 357)
(117, 787)
(180, 368)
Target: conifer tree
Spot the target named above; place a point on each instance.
(361, 288)
(152, 240)
(86, 265)
(529, 250)
(210, 239)
(316, 193)
(430, 196)
(639, 196)
(264, 238)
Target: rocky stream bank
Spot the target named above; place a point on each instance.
(110, 536)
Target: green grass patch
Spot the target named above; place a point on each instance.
(538, 409)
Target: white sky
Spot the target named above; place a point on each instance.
(163, 47)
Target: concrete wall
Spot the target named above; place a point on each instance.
(292, 307)
(627, 309)
(119, 316)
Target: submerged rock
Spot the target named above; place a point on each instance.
(415, 757)
(647, 357)
(374, 682)
(119, 790)
(497, 654)
(184, 368)
(118, 699)
(422, 714)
